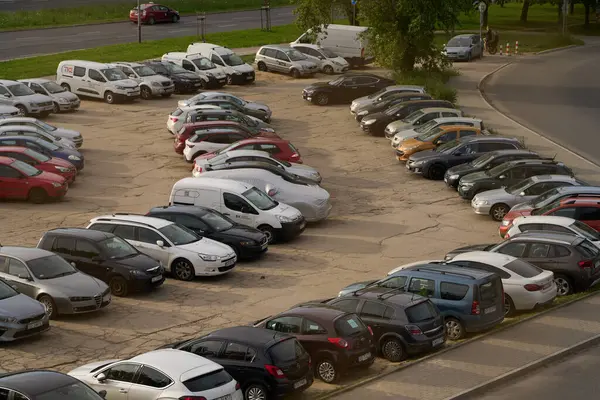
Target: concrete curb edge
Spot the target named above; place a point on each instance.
(557, 49)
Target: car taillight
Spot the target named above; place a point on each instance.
(507, 236)
(192, 398)
(370, 330)
(274, 371)
(339, 342)
(532, 287)
(586, 264)
(174, 119)
(198, 168)
(188, 144)
(475, 310)
(413, 329)
(237, 386)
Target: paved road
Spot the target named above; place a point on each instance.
(44, 41)
(557, 94)
(28, 5)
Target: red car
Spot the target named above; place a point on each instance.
(19, 180)
(278, 148)
(42, 162)
(584, 209)
(153, 13)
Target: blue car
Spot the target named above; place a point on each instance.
(49, 149)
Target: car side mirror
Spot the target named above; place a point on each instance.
(160, 243)
(102, 393)
(271, 190)
(25, 277)
(15, 288)
(522, 194)
(101, 377)
(73, 264)
(502, 177)
(245, 210)
(132, 76)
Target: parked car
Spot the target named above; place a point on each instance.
(20, 315)
(403, 324)
(436, 137)
(526, 287)
(383, 94)
(419, 118)
(430, 126)
(52, 281)
(285, 59)
(213, 76)
(550, 223)
(105, 257)
(464, 47)
(151, 83)
(249, 105)
(57, 132)
(336, 340)
(21, 130)
(433, 164)
(470, 300)
(228, 115)
(266, 364)
(344, 89)
(498, 202)
(178, 117)
(327, 60)
(28, 102)
(509, 173)
(153, 13)
(184, 80)
(388, 102)
(238, 71)
(278, 148)
(310, 199)
(205, 222)
(484, 163)
(44, 163)
(237, 156)
(8, 111)
(62, 99)
(160, 374)
(42, 384)
(230, 105)
(211, 139)
(19, 180)
(45, 148)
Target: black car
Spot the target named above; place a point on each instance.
(42, 385)
(508, 174)
(375, 123)
(485, 162)
(229, 105)
(184, 80)
(266, 364)
(246, 242)
(227, 115)
(434, 163)
(388, 102)
(344, 89)
(403, 324)
(106, 257)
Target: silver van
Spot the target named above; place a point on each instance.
(151, 83)
(284, 59)
(18, 95)
(213, 76)
(62, 99)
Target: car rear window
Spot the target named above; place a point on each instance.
(490, 290)
(208, 381)
(349, 325)
(523, 268)
(291, 146)
(421, 312)
(286, 350)
(588, 249)
(177, 112)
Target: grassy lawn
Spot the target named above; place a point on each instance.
(117, 12)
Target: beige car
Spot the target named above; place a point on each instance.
(284, 59)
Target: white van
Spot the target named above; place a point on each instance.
(241, 202)
(238, 72)
(92, 79)
(344, 40)
(213, 76)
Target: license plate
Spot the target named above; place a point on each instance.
(407, 166)
(264, 246)
(222, 80)
(302, 225)
(437, 342)
(226, 397)
(131, 94)
(156, 278)
(364, 357)
(300, 383)
(230, 262)
(309, 98)
(198, 84)
(489, 310)
(34, 325)
(249, 77)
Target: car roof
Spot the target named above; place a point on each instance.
(324, 312)
(24, 253)
(14, 149)
(495, 259)
(456, 119)
(209, 123)
(213, 111)
(216, 129)
(511, 152)
(36, 80)
(250, 335)
(247, 153)
(513, 163)
(464, 35)
(547, 178)
(17, 119)
(35, 382)
(263, 139)
(554, 237)
(541, 219)
(487, 138)
(218, 183)
(22, 128)
(6, 160)
(396, 297)
(26, 138)
(278, 47)
(7, 82)
(438, 109)
(88, 64)
(175, 362)
(436, 270)
(255, 165)
(90, 234)
(193, 210)
(156, 223)
(458, 126)
(401, 87)
(129, 64)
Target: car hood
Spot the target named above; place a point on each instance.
(407, 134)
(208, 246)
(304, 170)
(8, 110)
(33, 98)
(399, 126)
(244, 68)
(50, 177)
(66, 133)
(427, 155)
(340, 60)
(78, 284)
(257, 106)
(67, 151)
(126, 83)
(140, 262)
(305, 63)
(412, 142)
(361, 102)
(354, 287)
(475, 176)
(462, 169)
(375, 116)
(318, 85)
(285, 211)
(59, 162)
(244, 232)
(65, 95)
(186, 75)
(155, 78)
(496, 196)
(86, 369)
(21, 307)
(459, 49)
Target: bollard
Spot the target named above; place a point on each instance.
(516, 47)
(507, 49)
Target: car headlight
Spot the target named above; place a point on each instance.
(453, 176)
(63, 101)
(363, 112)
(237, 72)
(210, 75)
(369, 122)
(248, 243)
(74, 158)
(284, 219)
(466, 185)
(156, 84)
(411, 148)
(337, 63)
(62, 169)
(505, 223)
(205, 78)
(481, 202)
(417, 163)
(56, 184)
(120, 87)
(208, 257)
(9, 320)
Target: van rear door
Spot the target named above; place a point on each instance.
(490, 298)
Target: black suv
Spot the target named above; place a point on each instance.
(41, 384)
(266, 364)
(403, 324)
(390, 101)
(247, 242)
(485, 162)
(433, 164)
(508, 174)
(106, 257)
(184, 80)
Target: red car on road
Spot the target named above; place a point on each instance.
(19, 180)
(40, 161)
(278, 148)
(153, 13)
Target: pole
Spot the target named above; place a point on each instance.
(139, 22)
(354, 14)
(565, 12)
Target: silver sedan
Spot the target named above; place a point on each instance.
(51, 280)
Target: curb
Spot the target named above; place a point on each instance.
(520, 372)
(409, 364)
(558, 49)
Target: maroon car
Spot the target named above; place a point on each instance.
(153, 13)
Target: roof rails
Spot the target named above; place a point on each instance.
(135, 222)
(443, 272)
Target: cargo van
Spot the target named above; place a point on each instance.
(213, 76)
(345, 40)
(242, 203)
(238, 72)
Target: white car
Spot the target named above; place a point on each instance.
(8, 111)
(182, 252)
(178, 117)
(60, 133)
(328, 61)
(428, 127)
(525, 285)
(554, 224)
(164, 374)
(21, 130)
(418, 118)
(228, 97)
(234, 156)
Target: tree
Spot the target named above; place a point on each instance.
(524, 11)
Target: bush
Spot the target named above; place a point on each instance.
(433, 81)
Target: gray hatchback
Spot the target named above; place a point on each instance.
(284, 59)
(20, 316)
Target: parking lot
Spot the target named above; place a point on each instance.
(382, 216)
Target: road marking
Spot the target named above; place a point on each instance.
(226, 26)
(242, 18)
(180, 30)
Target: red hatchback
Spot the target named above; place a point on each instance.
(19, 180)
(48, 164)
(153, 13)
(278, 148)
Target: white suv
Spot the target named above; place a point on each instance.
(181, 251)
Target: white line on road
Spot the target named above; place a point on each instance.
(179, 30)
(242, 18)
(226, 26)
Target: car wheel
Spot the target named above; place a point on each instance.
(175, 19)
(269, 233)
(146, 92)
(326, 371)
(454, 329)
(109, 97)
(295, 73)
(183, 270)
(564, 286)
(203, 84)
(66, 87)
(38, 196)
(498, 211)
(55, 108)
(436, 172)
(255, 392)
(392, 350)
(328, 69)
(322, 99)
(262, 66)
(151, 21)
(229, 80)
(22, 110)
(118, 286)
(49, 305)
(509, 306)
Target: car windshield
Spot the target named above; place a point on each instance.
(20, 89)
(430, 135)
(497, 170)
(6, 291)
(175, 69)
(248, 121)
(216, 221)
(481, 161)
(53, 87)
(144, 71)
(328, 53)
(336, 82)
(459, 42)
(295, 55)
(377, 94)
(449, 147)
(74, 391)
(259, 199)
(544, 198)
(50, 267)
(47, 145)
(179, 235)
(585, 230)
(25, 168)
(116, 248)
(36, 156)
(232, 59)
(543, 210)
(413, 117)
(426, 126)
(394, 109)
(45, 126)
(113, 74)
(519, 186)
(203, 63)
(235, 100)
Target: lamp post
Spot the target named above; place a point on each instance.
(139, 22)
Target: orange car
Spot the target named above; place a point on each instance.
(433, 139)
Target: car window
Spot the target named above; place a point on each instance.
(395, 282)
(569, 212)
(235, 203)
(588, 213)
(465, 133)
(514, 249)
(103, 227)
(85, 249)
(189, 222)
(421, 312)
(530, 227)
(209, 381)
(313, 328)
(8, 172)
(372, 309)
(269, 148)
(365, 80)
(153, 378)
(96, 76)
(560, 251)
(3, 264)
(286, 350)
(63, 245)
(216, 60)
(269, 53)
(17, 268)
(446, 137)
(523, 268)
(207, 348)
(422, 286)
(535, 189)
(78, 71)
(124, 372)
(348, 305)
(148, 236)
(555, 228)
(280, 55)
(539, 250)
(453, 291)
(588, 249)
(235, 352)
(348, 325)
(285, 324)
(487, 146)
(125, 232)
